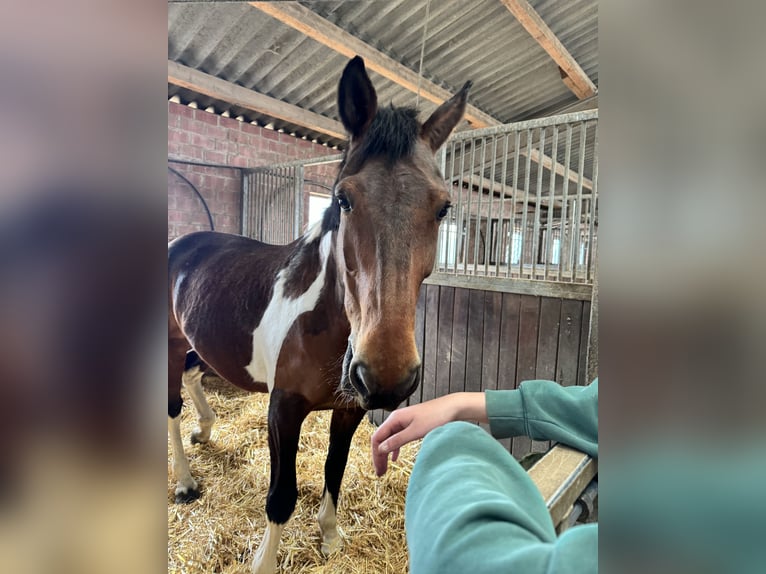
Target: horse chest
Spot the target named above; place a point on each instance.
(280, 315)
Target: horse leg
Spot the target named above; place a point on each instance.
(286, 414)
(186, 489)
(342, 428)
(192, 380)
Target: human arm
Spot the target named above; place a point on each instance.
(543, 410)
(415, 421)
(472, 508)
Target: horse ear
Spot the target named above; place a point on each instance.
(439, 126)
(357, 100)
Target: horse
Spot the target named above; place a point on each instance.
(327, 321)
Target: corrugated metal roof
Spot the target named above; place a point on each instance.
(513, 77)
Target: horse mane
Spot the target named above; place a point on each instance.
(392, 134)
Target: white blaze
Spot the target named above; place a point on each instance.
(280, 314)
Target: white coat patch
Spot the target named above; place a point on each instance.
(279, 317)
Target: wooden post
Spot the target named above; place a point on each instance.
(591, 365)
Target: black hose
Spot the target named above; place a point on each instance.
(199, 195)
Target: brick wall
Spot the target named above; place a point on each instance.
(197, 135)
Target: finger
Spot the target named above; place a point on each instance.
(395, 455)
(390, 426)
(380, 462)
(398, 440)
(379, 458)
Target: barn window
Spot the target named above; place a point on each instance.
(448, 244)
(516, 247)
(317, 205)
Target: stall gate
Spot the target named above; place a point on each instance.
(525, 201)
(275, 199)
(509, 296)
(272, 204)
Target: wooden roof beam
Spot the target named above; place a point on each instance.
(571, 73)
(211, 86)
(317, 28)
(500, 190)
(547, 162)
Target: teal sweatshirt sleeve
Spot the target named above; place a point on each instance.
(545, 410)
(471, 508)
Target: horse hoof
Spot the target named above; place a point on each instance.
(197, 438)
(184, 496)
(331, 546)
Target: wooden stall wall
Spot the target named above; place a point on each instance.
(474, 340)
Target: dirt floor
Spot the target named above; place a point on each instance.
(220, 531)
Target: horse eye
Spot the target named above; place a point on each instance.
(444, 211)
(344, 203)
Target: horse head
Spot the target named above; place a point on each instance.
(389, 199)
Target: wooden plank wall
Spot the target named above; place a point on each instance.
(473, 340)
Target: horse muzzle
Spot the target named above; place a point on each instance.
(370, 392)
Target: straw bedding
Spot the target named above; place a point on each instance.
(220, 531)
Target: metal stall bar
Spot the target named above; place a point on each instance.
(488, 233)
(245, 203)
(512, 222)
(298, 195)
(291, 206)
(279, 213)
(551, 201)
(264, 192)
(279, 216)
(528, 169)
(477, 232)
(501, 219)
(442, 238)
(286, 216)
(459, 215)
(563, 259)
(453, 216)
(593, 207)
(467, 245)
(258, 216)
(538, 210)
(268, 223)
(578, 206)
(262, 206)
(570, 118)
(275, 213)
(261, 191)
(252, 190)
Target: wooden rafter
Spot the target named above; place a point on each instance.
(501, 190)
(321, 30)
(571, 73)
(314, 26)
(205, 84)
(547, 162)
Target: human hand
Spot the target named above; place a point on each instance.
(414, 422)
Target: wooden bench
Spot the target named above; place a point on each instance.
(568, 481)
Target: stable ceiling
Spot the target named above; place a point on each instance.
(278, 63)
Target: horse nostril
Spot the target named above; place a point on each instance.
(357, 375)
(413, 380)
